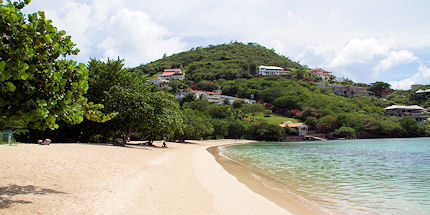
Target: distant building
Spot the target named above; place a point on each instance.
(301, 128)
(271, 70)
(318, 72)
(423, 92)
(416, 112)
(213, 97)
(173, 74)
(159, 82)
(231, 99)
(415, 86)
(347, 91)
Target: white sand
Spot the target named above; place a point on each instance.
(99, 179)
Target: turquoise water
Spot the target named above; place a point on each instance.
(371, 176)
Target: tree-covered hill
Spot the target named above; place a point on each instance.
(409, 97)
(225, 61)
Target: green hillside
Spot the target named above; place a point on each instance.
(226, 61)
(409, 97)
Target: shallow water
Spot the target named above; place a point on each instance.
(371, 176)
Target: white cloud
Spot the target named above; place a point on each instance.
(334, 16)
(361, 51)
(396, 58)
(422, 76)
(110, 29)
(320, 36)
(136, 38)
(293, 18)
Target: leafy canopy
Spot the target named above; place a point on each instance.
(36, 87)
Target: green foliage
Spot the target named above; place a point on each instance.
(378, 87)
(266, 131)
(196, 125)
(238, 103)
(347, 132)
(237, 129)
(409, 97)
(411, 126)
(220, 128)
(311, 121)
(328, 123)
(226, 61)
(252, 108)
(289, 102)
(37, 88)
(274, 119)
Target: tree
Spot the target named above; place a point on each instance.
(196, 125)
(37, 88)
(311, 121)
(411, 126)
(238, 103)
(236, 129)
(328, 123)
(289, 102)
(379, 87)
(163, 118)
(266, 131)
(347, 132)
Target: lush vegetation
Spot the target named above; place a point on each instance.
(409, 97)
(37, 88)
(43, 95)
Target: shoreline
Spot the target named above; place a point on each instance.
(265, 186)
(104, 179)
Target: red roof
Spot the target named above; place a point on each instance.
(168, 73)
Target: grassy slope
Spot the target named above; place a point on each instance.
(274, 119)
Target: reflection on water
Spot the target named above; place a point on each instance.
(376, 176)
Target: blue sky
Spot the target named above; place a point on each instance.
(363, 40)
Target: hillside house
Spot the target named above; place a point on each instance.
(214, 97)
(159, 82)
(347, 91)
(173, 74)
(415, 86)
(421, 92)
(231, 99)
(271, 70)
(416, 112)
(318, 72)
(301, 128)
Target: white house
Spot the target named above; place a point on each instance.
(416, 112)
(231, 99)
(271, 70)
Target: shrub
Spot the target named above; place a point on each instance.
(347, 132)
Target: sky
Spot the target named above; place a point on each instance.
(362, 40)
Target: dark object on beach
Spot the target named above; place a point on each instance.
(164, 145)
(46, 142)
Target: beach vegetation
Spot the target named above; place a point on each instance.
(39, 86)
(346, 132)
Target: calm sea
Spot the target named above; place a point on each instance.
(370, 176)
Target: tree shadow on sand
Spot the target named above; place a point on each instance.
(7, 193)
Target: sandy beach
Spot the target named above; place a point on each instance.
(103, 179)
